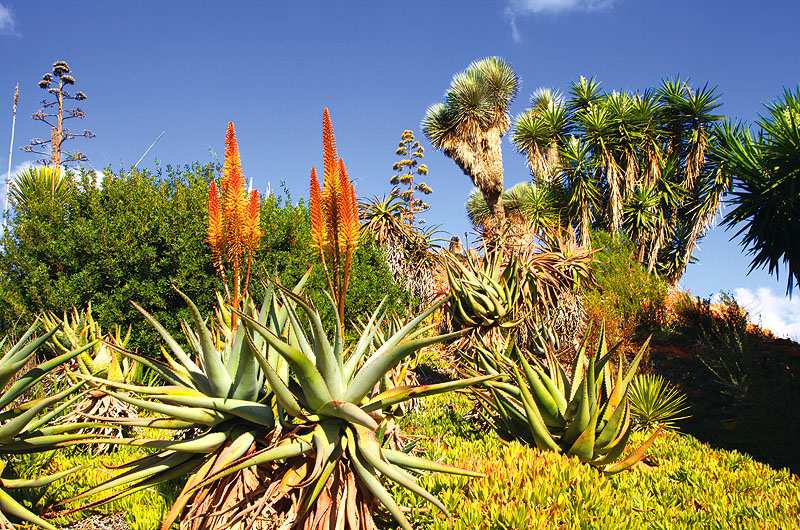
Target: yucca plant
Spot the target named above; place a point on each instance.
(25, 423)
(655, 403)
(289, 422)
(584, 414)
(102, 361)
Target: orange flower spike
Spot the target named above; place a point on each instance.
(348, 225)
(252, 233)
(328, 145)
(317, 218)
(233, 165)
(216, 234)
(234, 201)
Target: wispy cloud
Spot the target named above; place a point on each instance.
(779, 314)
(517, 8)
(8, 24)
(522, 7)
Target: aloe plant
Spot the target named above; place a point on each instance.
(584, 414)
(288, 418)
(102, 360)
(483, 294)
(25, 426)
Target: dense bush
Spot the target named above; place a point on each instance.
(135, 235)
(625, 296)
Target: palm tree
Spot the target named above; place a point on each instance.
(469, 124)
(767, 192)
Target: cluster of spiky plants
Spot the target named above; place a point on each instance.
(289, 422)
(654, 402)
(234, 226)
(103, 361)
(334, 217)
(25, 422)
(584, 414)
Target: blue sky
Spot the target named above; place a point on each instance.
(188, 68)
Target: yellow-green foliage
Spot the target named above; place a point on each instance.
(691, 485)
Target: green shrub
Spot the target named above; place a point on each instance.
(625, 296)
(135, 235)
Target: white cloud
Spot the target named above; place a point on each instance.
(522, 7)
(7, 21)
(779, 314)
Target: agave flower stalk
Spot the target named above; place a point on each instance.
(234, 232)
(287, 417)
(24, 426)
(334, 217)
(587, 416)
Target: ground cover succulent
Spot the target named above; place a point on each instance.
(584, 414)
(25, 422)
(289, 424)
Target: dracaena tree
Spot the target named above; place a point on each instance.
(468, 125)
(54, 113)
(639, 165)
(766, 197)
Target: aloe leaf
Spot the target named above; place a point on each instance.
(370, 450)
(384, 359)
(19, 344)
(249, 410)
(262, 457)
(194, 415)
(243, 368)
(329, 466)
(19, 483)
(404, 393)
(315, 389)
(218, 377)
(167, 460)
(10, 506)
(279, 388)
(372, 483)
(169, 375)
(326, 361)
(36, 374)
(349, 412)
(199, 379)
(584, 446)
(538, 429)
(609, 426)
(544, 400)
(634, 457)
(16, 425)
(364, 341)
(206, 443)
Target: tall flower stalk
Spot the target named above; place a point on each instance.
(334, 217)
(234, 232)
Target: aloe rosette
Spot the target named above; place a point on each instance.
(290, 423)
(26, 425)
(585, 414)
(483, 294)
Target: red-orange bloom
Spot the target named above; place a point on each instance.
(252, 233)
(317, 218)
(216, 236)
